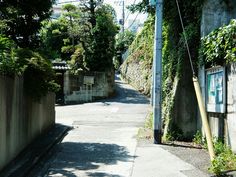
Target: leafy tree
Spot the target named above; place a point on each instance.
(23, 19)
(60, 37)
(86, 35)
(123, 41)
(98, 36)
(53, 35)
(89, 7)
(71, 15)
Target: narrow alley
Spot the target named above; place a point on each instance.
(102, 141)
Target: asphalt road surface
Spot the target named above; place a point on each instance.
(102, 141)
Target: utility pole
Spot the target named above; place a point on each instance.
(157, 73)
(122, 21)
(123, 16)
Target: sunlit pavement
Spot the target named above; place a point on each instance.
(103, 139)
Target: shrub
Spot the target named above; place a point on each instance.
(38, 73)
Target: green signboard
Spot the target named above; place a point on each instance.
(215, 90)
(152, 2)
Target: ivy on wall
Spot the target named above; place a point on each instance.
(175, 57)
(219, 47)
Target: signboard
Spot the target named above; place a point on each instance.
(152, 2)
(88, 80)
(215, 90)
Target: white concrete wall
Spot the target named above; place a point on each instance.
(231, 106)
(76, 91)
(21, 119)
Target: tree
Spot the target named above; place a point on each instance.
(85, 35)
(123, 41)
(60, 37)
(89, 7)
(23, 19)
(98, 35)
(54, 35)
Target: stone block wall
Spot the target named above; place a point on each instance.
(138, 75)
(21, 118)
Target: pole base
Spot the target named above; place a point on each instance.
(157, 136)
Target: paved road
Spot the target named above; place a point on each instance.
(103, 139)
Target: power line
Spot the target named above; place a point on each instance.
(133, 21)
(129, 12)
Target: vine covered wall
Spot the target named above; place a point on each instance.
(178, 99)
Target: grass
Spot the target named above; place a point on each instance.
(146, 132)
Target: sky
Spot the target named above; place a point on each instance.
(117, 5)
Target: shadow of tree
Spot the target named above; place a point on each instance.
(123, 94)
(102, 175)
(87, 156)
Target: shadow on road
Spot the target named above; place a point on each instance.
(88, 156)
(102, 175)
(123, 94)
(126, 94)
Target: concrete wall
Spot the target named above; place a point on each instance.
(215, 14)
(21, 119)
(230, 123)
(184, 113)
(76, 90)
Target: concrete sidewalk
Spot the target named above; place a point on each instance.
(148, 160)
(155, 161)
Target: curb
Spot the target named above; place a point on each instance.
(32, 154)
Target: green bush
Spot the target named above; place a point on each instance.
(198, 138)
(38, 73)
(8, 65)
(224, 161)
(218, 47)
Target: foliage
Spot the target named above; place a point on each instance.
(77, 60)
(99, 45)
(142, 47)
(175, 58)
(60, 37)
(23, 19)
(123, 41)
(38, 73)
(142, 6)
(218, 47)
(8, 63)
(198, 138)
(140, 53)
(174, 133)
(149, 121)
(225, 159)
(174, 53)
(84, 34)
